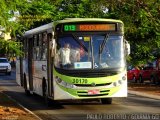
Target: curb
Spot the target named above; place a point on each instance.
(144, 94)
(24, 107)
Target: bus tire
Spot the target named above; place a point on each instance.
(27, 92)
(106, 100)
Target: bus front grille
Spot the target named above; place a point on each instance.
(92, 95)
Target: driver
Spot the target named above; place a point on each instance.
(65, 54)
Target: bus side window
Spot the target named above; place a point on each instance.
(40, 45)
(44, 46)
(36, 47)
(25, 48)
(36, 50)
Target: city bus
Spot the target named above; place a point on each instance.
(75, 59)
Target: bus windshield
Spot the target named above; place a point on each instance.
(90, 52)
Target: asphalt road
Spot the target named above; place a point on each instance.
(3, 76)
(133, 107)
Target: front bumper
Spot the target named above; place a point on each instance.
(61, 93)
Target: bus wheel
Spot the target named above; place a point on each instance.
(27, 92)
(106, 100)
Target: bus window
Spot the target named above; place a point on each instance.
(44, 46)
(25, 48)
(40, 45)
(40, 40)
(36, 49)
(71, 51)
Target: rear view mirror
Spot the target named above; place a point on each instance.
(52, 47)
(127, 47)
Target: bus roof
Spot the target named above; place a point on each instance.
(38, 29)
(67, 20)
(49, 26)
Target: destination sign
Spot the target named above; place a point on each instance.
(89, 27)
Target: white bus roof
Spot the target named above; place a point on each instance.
(67, 20)
(42, 28)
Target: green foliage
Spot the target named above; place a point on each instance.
(8, 48)
(142, 26)
(141, 19)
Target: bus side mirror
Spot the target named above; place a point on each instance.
(127, 47)
(52, 47)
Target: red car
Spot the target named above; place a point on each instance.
(148, 73)
(133, 74)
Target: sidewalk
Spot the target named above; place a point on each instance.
(10, 110)
(145, 90)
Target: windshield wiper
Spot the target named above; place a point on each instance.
(101, 47)
(103, 43)
(80, 43)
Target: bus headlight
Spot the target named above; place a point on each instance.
(117, 83)
(63, 83)
(124, 78)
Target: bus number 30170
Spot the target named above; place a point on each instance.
(80, 81)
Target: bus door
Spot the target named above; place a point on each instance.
(50, 65)
(30, 63)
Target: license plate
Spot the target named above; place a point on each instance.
(93, 92)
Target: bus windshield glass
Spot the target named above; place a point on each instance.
(89, 52)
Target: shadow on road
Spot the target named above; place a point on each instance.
(33, 102)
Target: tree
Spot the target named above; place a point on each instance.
(7, 9)
(142, 25)
(141, 19)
